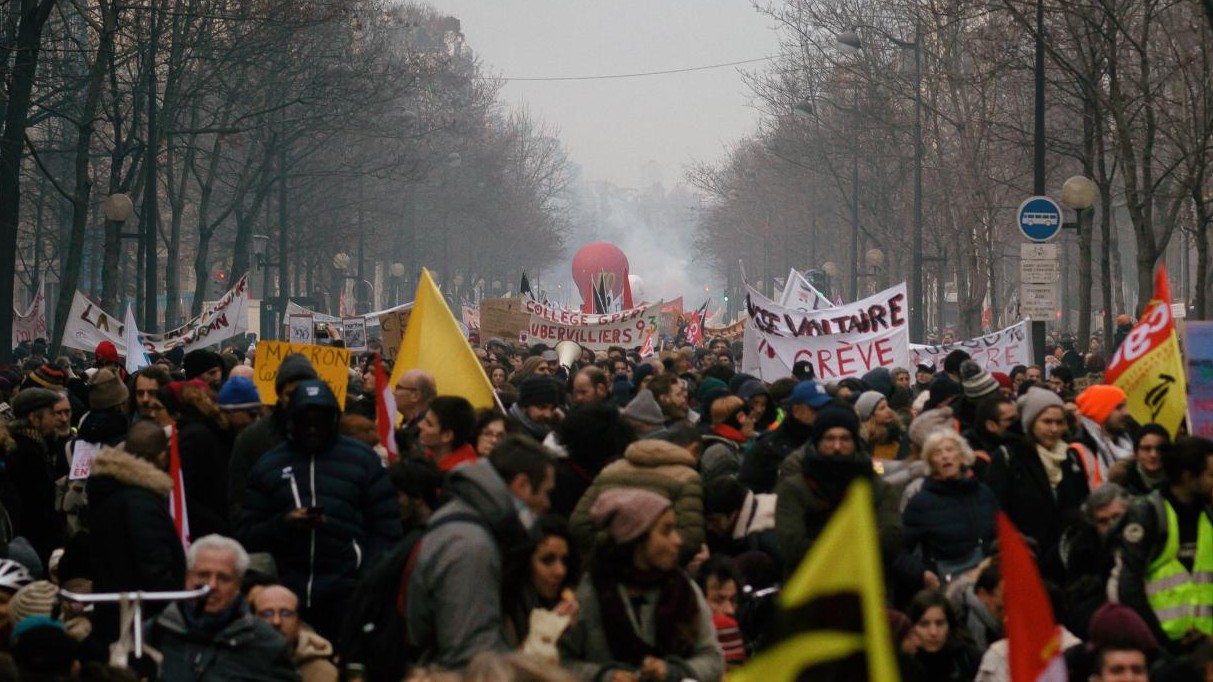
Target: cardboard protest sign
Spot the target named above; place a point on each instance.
(627, 328)
(392, 326)
(355, 333)
(31, 324)
(88, 325)
(996, 352)
(847, 341)
(332, 365)
(1198, 344)
(503, 318)
(301, 328)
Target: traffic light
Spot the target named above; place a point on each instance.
(219, 282)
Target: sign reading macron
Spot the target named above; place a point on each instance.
(331, 364)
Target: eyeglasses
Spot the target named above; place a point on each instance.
(409, 389)
(284, 614)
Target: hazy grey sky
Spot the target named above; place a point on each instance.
(613, 128)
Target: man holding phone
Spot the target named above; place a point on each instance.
(322, 505)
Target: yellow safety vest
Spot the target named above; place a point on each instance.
(1183, 601)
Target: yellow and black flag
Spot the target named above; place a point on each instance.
(832, 609)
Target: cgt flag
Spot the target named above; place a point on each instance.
(433, 342)
(1033, 637)
(1148, 366)
(834, 607)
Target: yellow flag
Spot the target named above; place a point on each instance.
(834, 607)
(1148, 367)
(433, 342)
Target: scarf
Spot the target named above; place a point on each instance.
(537, 430)
(729, 433)
(676, 615)
(1111, 450)
(830, 476)
(1153, 481)
(1053, 461)
(212, 624)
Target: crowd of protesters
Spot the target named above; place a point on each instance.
(615, 518)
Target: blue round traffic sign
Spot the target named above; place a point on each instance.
(1039, 218)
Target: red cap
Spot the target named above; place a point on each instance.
(106, 352)
(1003, 379)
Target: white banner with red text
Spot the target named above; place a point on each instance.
(626, 328)
(996, 352)
(847, 341)
(31, 324)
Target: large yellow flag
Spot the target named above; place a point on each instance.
(433, 342)
(833, 607)
(1148, 366)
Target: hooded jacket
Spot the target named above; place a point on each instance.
(347, 480)
(760, 468)
(454, 592)
(258, 438)
(658, 466)
(133, 544)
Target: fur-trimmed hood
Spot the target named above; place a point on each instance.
(652, 452)
(130, 470)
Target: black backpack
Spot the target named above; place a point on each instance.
(374, 633)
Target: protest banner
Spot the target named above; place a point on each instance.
(293, 309)
(996, 352)
(626, 328)
(847, 341)
(31, 324)
(1147, 366)
(392, 326)
(470, 316)
(503, 318)
(1198, 344)
(301, 329)
(332, 365)
(798, 294)
(88, 325)
(355, 333)
(730, 333)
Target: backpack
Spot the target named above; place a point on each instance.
(374, 633)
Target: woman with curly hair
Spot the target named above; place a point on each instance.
(641, 616)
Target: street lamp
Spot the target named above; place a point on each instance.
(117, 209)
(849, 40)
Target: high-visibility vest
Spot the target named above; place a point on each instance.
(1182, 600)
(1090, 464)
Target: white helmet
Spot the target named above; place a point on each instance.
(14, 575)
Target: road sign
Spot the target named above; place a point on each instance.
(1034, 251)
(1045, 271)
(1038, 301)
(1039, 218)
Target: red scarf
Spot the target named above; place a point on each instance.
(452, 459)
(729, 432)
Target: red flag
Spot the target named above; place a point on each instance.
(181, 517)
(1034, 638)
(385, 412)
(341, 303)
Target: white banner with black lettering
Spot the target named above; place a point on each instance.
(996, 352)
(847, 341)
(89, 325)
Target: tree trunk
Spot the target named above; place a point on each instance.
(34, 14)
(1201, 230)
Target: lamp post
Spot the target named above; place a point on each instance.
(1079, 193)
(397, 277)
(269, 310)
(850, 40)
(118, 209)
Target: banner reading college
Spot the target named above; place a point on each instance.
(625, 328)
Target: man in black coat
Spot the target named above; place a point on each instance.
(133, 544)
(322, 505)
(760, 469)
(32, 468)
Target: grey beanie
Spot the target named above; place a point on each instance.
(977, 382)
(644, 409)
(866, 406)
(1035, 401)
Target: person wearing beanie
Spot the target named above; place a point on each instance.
(1039, 481)
(643, 412)
(1164, 546)
(1103, 430)
(106, 356)
(240, 403)
(924, 374)
(106, 391)
(880, 427)
(267, 432)
(879, 380)
(729, 437)
(942, 392)
(538, 406)
(952, 362)
(976, 382)
(35, 461)
(204, 364)
(43, 650)
(805, 503)
(760, 470)
(666, 632)
(46, 376)
(35, 599)
(1005, 385)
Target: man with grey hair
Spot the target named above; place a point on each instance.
(215, 637)
(1084, 554)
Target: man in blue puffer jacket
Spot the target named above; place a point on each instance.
(322, 505)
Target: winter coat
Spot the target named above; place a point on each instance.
(454, 592)
(721, 457)
(32, 468)
(658, 466)
(246, 649)
(586, 652)
(949, 522)
(981, 625)
(754, 531)
(1022, 488)
(205, 451)
(760, 470)
(255, 440)
(133, 544)
(347, 480)
(801, 513)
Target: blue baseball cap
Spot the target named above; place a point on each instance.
(809, 393)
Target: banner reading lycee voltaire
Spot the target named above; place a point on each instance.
(88, 325)
(847, 341)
